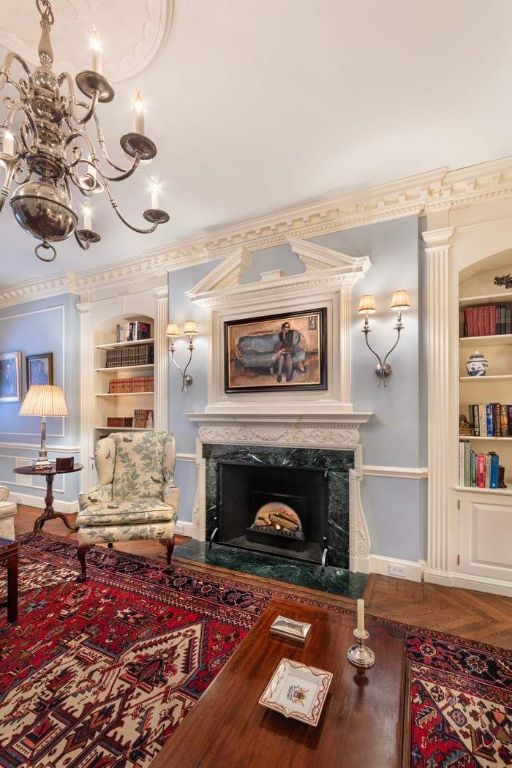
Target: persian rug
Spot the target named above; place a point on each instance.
(99, 675)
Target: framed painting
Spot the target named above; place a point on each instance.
(276, 352)
(40, 369)
(10, 377)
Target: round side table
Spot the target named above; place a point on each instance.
(49, 513)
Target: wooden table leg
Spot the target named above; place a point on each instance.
(12, 588)
(49, 513)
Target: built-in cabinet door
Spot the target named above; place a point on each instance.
(486, 536)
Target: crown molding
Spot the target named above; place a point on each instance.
(418, 195)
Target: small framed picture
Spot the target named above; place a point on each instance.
(40, 369)
(10, 378)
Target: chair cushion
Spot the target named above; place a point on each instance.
(127, 513)
(138, 470)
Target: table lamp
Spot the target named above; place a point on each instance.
(44, 400)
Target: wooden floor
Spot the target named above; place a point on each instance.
(473, 615)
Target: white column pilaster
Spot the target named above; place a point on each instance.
(87, 403)
(161, 357)
(437, 250)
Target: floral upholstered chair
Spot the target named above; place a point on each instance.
(135, 498)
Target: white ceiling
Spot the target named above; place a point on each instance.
(261, 106)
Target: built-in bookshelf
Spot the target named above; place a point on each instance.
(485, 326)
(124, 375)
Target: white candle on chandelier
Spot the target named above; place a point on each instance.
(97, 49)
(360, 615)
(8, 143)
(138, 114)
(87, 216)
(155, 195)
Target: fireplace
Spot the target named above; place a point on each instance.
(280, 510)
(239, 480)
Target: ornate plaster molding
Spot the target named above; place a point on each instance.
(416, 195)
(132, 44)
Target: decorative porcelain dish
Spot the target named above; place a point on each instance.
(297, 691)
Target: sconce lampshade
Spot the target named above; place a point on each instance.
(190, 328)
(367, 305)
(400, 301)
(44, 400)
(173, 330)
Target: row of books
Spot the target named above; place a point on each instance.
(139, 354)
(143, 418)
(491, 420)
(487, 320)
(133, 331)
(133, 384)
(478, 470)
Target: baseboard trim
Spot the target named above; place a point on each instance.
(410, 570)
(66, 507)
(185, 528)
(468, 581)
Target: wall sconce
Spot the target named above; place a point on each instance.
(399, 303)
(174, 332)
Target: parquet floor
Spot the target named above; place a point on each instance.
(473, 615)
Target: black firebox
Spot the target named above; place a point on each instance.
(280, 510)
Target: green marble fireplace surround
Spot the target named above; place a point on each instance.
(336, 463)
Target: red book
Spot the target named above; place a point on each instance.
(470, 331)
(488, 311)
(480, 321)
(480, 470)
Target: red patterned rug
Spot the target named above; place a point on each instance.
(99, 675)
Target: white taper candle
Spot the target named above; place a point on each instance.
(360, 615)
(96, 47)
(87, 216)
(138, 114)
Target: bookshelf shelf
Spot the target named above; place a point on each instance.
(480, 437)
(503, 338)
(498, 298)
(125, 429)
(493, 491)
(117, 344)
(123, 394)
(147, 367)
(493, 377)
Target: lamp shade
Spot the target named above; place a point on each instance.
(173, 330)
(44, 400)
(400, 301)
(367, 305)
(190, 328)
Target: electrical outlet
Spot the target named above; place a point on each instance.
(397, 570)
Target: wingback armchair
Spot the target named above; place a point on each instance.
(135, 497)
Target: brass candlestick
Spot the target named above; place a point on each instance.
(360, 655)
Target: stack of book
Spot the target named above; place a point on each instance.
(139, 354)
(491, 419)
(133, 331)
(143, 418)
(487, 320)
(477, 470)
(133, 384)
(119, 421)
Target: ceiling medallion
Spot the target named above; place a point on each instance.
(52, 142)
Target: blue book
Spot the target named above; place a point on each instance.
(494, 471)
(489, 419)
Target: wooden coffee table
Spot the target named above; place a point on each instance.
(362, 722)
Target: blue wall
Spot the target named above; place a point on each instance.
(395, 507)
(48, 325)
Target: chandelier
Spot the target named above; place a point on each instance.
(52, 143)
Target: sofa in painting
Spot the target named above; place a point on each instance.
(135, 497)
(259, 351)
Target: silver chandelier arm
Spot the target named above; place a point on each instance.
(148, 231)
(10, 171)
(103, 146)
(10, 58)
